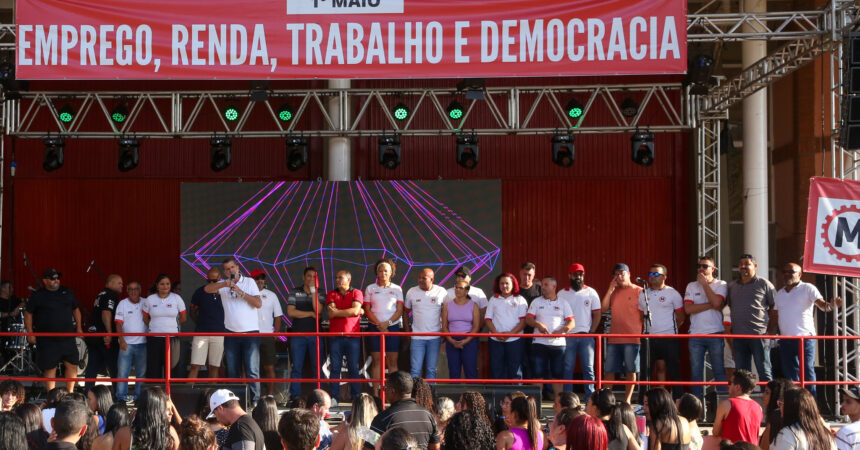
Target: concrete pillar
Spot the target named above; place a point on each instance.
(755, 151)
(337, 159)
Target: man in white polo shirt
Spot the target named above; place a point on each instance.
(129, 319)
(667, 314)
(585, 305)
(703, 301)
(241, 299)
(549, 315)
(793, 305)
(425, 303)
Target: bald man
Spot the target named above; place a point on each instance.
(425, 303)
(103, 350)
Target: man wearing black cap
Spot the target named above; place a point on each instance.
(848, 437)
(54, 309)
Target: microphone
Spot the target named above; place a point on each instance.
(640, 280)
(92, 263)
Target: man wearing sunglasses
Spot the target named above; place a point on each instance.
(54, 309)
(703, 301)
(751, 300)
(667, 314)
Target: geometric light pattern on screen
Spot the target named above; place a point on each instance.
(287, 226)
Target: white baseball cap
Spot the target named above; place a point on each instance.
(218, 398)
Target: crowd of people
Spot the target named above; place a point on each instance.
(416, 419)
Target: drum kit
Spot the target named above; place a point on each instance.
(19, 354)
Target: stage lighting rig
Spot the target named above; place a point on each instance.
(297, 152)
(220, 153)
(574, 109)
(53, 153)
(285, 113)
(642, 148)
(119, 113)
(467, 150)
(66, 113)
(455, 110)
(700, 69)
(129, 154)
(389, 151)
(400, 112)
(563, 150)
(629, 107)
(231, 113)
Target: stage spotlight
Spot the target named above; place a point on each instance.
(285, 113)
(575, 109)
(66, 114)
(389, 152)
(53, 153)
(700, 68)
(629, 107)
(12, 86)
(129, 154)
(297, 153)
(474, 88)
(259, 91)
(562, 150)
(467, 151)
(119, 113)
(220, 155)
(642, 148)
(231, 113)
(400, 111)
(455, 110)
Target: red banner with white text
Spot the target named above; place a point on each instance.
(293, 39)
(833, 227)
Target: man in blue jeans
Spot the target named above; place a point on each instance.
(241, 299)
(424, 302)
(751, 300)
(302, 309)
(344, 306)
(585, 304)
(132, 349)
(703, 301)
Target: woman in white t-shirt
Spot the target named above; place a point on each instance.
(506, 313)
(383, 304)
(162, 312)
(802, 425)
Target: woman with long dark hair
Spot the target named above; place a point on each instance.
(468, 430)
(383, 305)
(524, 432)
(12, 435)
(31, 415)
(802, 426)
(151, 428)
(117, 417)
(506, 313)
(99, 399)
(266, 416)
(771, 398)
(162, 311)
(621, 428)
(423, 394)
(667, 429)
(474, 401)
(690, 408)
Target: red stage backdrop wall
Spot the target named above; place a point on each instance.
(263, 39)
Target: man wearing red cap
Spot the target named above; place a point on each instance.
(585, 304)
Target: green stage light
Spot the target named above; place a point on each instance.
(231, 113)
(455, 111)
(575, 109)
(285, 113)
(119, 114)
(400, 111)
(66, 114)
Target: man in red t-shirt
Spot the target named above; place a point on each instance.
(622, 354)
(738, 418)
(344, 312)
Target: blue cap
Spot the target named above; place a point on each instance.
(620, 266)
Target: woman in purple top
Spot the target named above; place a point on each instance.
(461, 315)
(525, 432)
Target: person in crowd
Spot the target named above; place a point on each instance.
(162, 311)
(564, 400)
(49, 407)
(529, 290)
(422, 393)
(102, 351)
(344, 305)
(793, 309)
(726, 444)
(269, 314)
(703, 302)
(69, 425)
(667, 315)
(54, 309)
(602, 405)
(690, 408)
(622, 354)
(31, 415)
(771, 398)
(194, 434)
(461, 314)
(503, 421)
(585, 305)
(244, 433)
(299, 430)
(738, 418)
(132, 349)
(396, 438)
(117, 417)
(467, 430)
(622, 412)
(556, 435)
(207, 312)
(751, 301)
(346, 435)
(203, 411)
(266, 416)
(444, 411)
(667, 429)
(424, 302)
(848, 437)
(10, 305)
(150, 429)
(474, 401)
(404, 411)
(303, 310)
(319, 402)
(384, 308)
(802, 425)
(99, 399)
(12, 432)
(86, 441)
(524, 432)
(506, 314)
(586, 431)
(548, 315)
(476, 294)
(12, 394)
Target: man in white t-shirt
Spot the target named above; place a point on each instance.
(585, 305)
(848, 437)
(270, 322)
(132, 349)
(425, 304)
(549, 315)
(667, 314)
(703, 301)
(793, 305)
(241, 299)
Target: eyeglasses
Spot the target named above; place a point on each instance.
(655, 274)
(461, 275)
(703, 266)
(789, 272)
(54, 278)
(133, 289)
(464, 288)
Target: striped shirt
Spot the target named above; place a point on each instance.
(412, 417)
(848, 437)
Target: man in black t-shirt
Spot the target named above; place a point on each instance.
(103, 350)
(244, 433)
(207, 312)
(10, 306)
(54, 309)
(301, 310)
